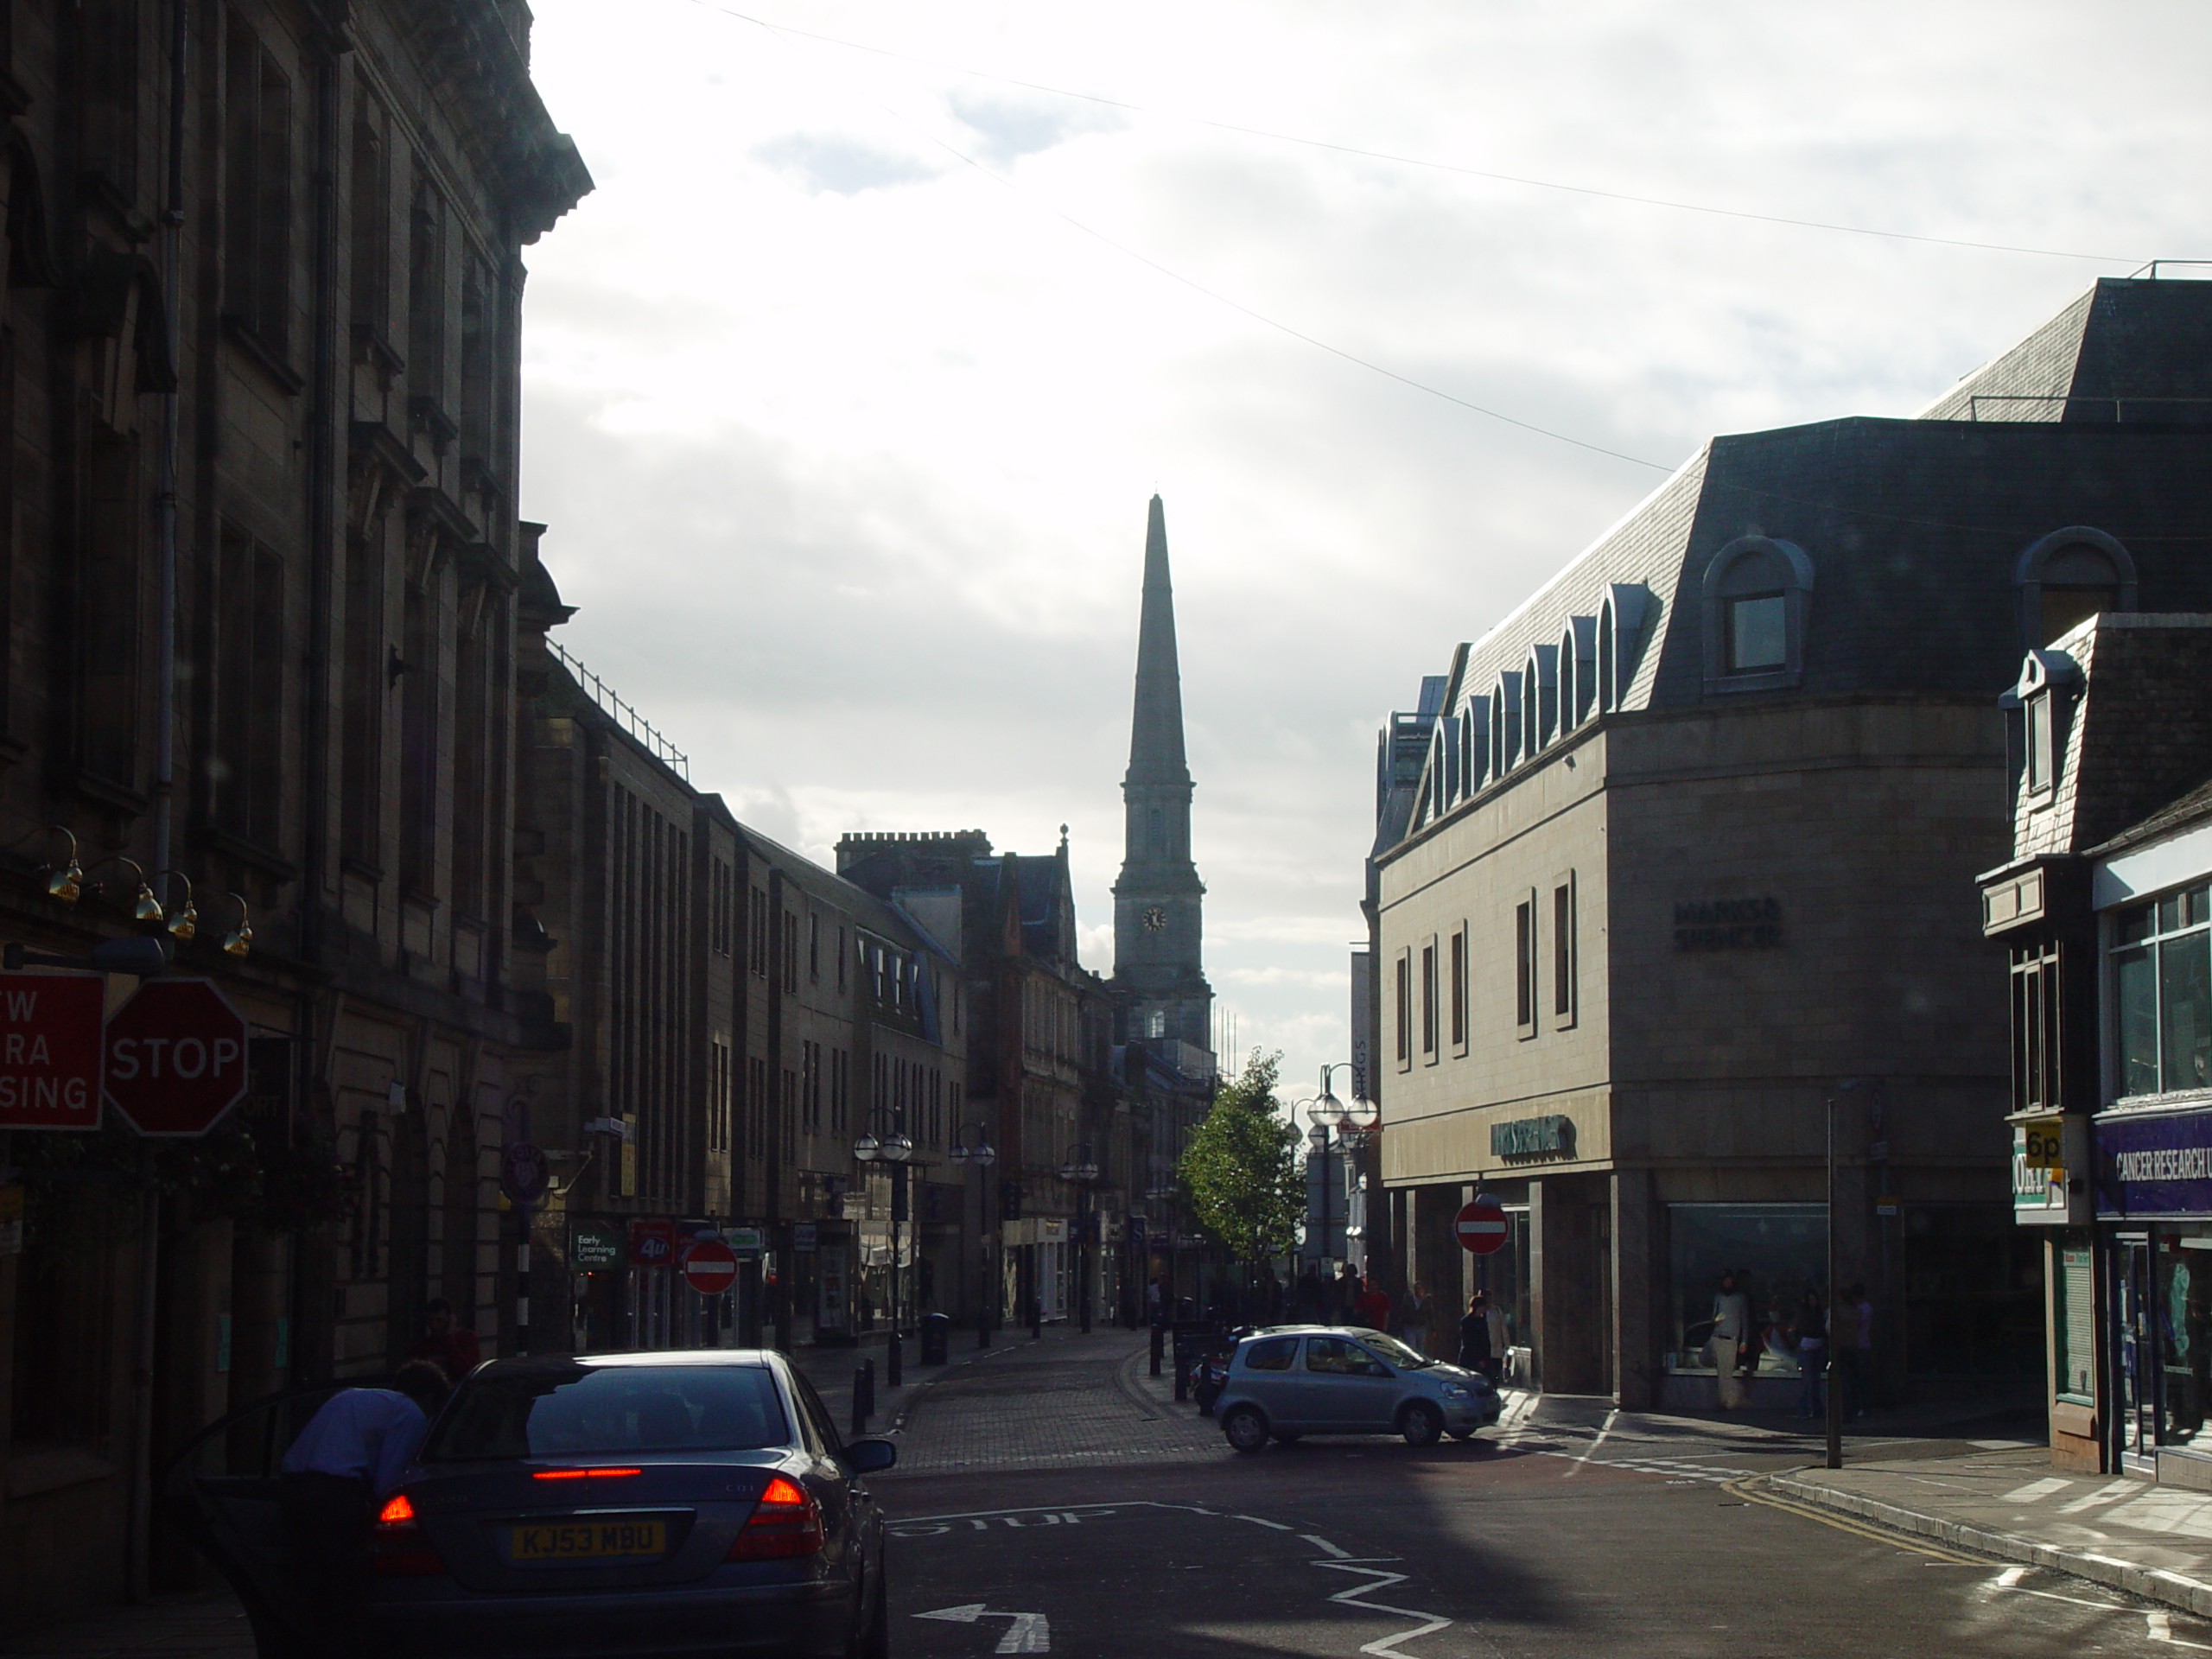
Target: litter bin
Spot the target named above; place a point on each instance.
(935, 1336)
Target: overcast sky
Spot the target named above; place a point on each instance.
(845, 391)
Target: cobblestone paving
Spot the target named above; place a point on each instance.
(1064, 1401)
(209, 1626)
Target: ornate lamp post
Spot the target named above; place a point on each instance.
(1081, 1172)
(982, 1155)
(1353, 1127)
(896, 1150)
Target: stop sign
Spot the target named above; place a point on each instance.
(710, 1266)
(1481, 1225)
(175, 1057)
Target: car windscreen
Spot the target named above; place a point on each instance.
(1395, 1353)
(610, 1408)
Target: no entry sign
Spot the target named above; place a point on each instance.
(1481, 1225)
(50, 1050)
(175, 1057)
(710, 1266)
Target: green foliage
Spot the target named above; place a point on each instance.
(1240, 1175)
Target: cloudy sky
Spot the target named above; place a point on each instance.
(846, 389)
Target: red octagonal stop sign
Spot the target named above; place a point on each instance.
(175, 1057)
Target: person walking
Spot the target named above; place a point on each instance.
(452, 1348)
(1413, 1320)
(1475, 1353)
(350, 1455)
(1343, 1307)
(1372, 1305)
(1812, 1353)
(1309, 1294)
(1731, 1324)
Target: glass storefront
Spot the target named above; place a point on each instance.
(2182, 1311)
(1504, 1276)
(1776, 1252)
(1973, 1293)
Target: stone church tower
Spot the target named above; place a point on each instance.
(1158, 931)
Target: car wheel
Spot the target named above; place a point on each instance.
(1421, 1423)
(1247, 1430)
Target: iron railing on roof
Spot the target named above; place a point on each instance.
(624, 713)
(2082, 407)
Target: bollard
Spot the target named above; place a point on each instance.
(894, 1370)
(860, 1401)
(1158, 1342)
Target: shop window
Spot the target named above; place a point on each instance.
(1757, 593)
(2074, 1321)
(1776, 1252)
(2068, 576)
(2162, 995)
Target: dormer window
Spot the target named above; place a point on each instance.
(2044, 697)
(1758, 591)
(2041, 756)
(2068, 577)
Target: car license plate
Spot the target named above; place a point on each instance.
(587, 1540)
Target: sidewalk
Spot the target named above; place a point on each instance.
(2151, 1541)
(830, 1370)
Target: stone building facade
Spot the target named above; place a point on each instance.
(273, 376)
(1686, 860)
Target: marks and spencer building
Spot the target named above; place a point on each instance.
(1689, 852)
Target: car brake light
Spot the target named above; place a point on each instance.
(581, 1474)
(398, 1548)
(786, 1522)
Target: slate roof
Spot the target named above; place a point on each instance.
(1914, 528)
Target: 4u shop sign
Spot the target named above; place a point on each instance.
(2153, 1163)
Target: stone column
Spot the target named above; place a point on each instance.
(1639, 1281)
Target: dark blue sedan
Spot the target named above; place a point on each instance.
(614, 1505)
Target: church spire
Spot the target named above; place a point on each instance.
(1158, 929)
(1156, 733)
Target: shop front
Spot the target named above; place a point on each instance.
(2154, 1222)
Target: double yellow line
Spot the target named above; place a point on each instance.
(1745, 1487)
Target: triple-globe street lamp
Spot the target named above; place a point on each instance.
(1352, 1125)
(893, 1148)
(981, 1155)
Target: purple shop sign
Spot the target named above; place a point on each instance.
(2153, 1164)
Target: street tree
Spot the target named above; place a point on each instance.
(1240, 1172)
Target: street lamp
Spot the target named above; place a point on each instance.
(892, 1147)
(1352, 1125)
(1081, 1172)
(982, 1155)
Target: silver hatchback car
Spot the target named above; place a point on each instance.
(1295, 1380)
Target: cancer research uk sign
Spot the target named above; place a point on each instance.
(2154, 1164)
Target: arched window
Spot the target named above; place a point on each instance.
(1539, 698)
(2068, 576)
(1577, 671)
(1474, 727)
(1505, 723)
(1757, 592)
(1606, 671)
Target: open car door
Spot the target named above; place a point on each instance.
(221, 1492)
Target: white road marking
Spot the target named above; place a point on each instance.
(1028, 1633)
(1387, 1646)
(2035, 1490)
(1257, 1521)
(1604, 1429)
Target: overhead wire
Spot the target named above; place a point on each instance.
(1528, 181)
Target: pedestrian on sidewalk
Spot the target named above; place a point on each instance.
(1854, 1337)
(1371, 1307)
(1731, 1324)
(1343, 1307)
(451, 1347)
(1309, 1294)
(1475, 1354)
(1413, 1320)
(349, 1456)
(1812, 1352)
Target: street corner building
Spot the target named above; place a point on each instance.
(1675, 867)
(2103, 913)
(259, 559)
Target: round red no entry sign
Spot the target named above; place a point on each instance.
(1481, 1225)
(710, 1266)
